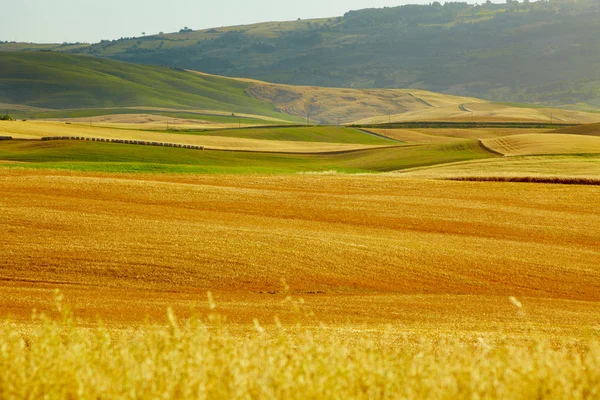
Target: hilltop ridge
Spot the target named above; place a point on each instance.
(516, 52)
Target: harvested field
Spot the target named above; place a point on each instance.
(369, 250)
(559, 169)
(544, 144)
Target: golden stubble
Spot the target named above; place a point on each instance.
(361, 249)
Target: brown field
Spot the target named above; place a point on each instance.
(37, 130)
(530, 144)
(364, 250)
(588, 129)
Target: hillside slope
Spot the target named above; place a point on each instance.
(60, 81)
(527, 52)
(85, 88)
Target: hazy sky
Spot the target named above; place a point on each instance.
(90, 21)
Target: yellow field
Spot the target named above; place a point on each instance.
(563, 167)
(203, 359)
(370, 250)
(548, 143)
(37, 130)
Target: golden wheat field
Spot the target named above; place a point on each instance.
(296, 286)
(530, 144)
(562, 168)
(360, 248)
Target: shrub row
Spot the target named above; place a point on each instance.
(5, 137)
(123, 141)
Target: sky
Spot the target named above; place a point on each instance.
(58, 21)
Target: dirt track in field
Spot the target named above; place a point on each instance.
(372, 249)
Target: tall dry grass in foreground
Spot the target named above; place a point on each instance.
(57, 359)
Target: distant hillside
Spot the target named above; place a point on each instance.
(61, 81)
(539, 52)
(81, 88)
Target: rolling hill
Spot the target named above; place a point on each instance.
(534, 52)
(78, 88)
(63, 81)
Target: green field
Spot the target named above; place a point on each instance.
(110, 157)
(326, 134)
(59, 81)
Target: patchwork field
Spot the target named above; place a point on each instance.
(323, 140)
(317, 157)
(283, 264)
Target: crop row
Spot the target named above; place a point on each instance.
(124, 141)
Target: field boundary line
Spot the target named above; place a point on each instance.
(486, 148)
(527, 179)
(379, 135)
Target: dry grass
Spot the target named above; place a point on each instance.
(393, 288)
(364, 249)
(37, 130)
(532, 144)
(202, 358)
